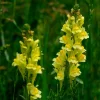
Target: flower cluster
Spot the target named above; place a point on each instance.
(27, 63)
(72, 52)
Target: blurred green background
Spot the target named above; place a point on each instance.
(46, 18)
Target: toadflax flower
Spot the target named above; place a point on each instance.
(73, 50)
(59, 64)
(20, 61)
(74, 71)
(33, 91)
(27, 62)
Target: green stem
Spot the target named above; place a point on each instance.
(27, 8)
(75, 1)
(3, 44)
(15, 83)
(44, 64)
(14, 7)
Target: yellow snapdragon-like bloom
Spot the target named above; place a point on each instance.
(80, 20)
(60, 74)
(61, 59)
(70, 21)
(66, 39)
(81, 57)
(59, 64)
(74, 71)
(77, 43)
(75, 29)
(66, 28)
(83, 34)
(71, 57)
(20, 61)
(33, 91)
(35, 55)
(23, 48)
(34, 68)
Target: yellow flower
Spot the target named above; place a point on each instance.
(59, 64)
(71, 20)
(33, 91)
(61, 59)
(81, 57)
(23, 48)
(29, 42)
(32, 46)
(58, 60)
(60, 75)
(66, 28)
(79, 51)
(66, 39)
(33, 67)
(62, 54)
(20, 61)
(35, 54)
(71, 57)
(35, 44)
(80, 20)
(75, 29)
(77, 44)
(74, 71)
(39, 69)
(56, 65)
(83, 34)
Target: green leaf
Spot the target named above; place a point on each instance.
(79, 80)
